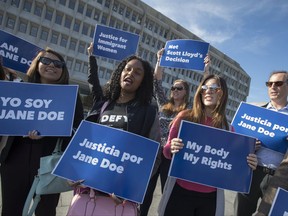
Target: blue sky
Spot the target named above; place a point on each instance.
(252, 32)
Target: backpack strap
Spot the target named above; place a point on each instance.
(26, 211)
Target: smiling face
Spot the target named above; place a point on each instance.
(49, 74)
(211, 93)
(131, 77)
(278, 94)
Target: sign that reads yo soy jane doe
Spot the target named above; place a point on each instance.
(24, 107)
(279, 205)
(109, 160)
(187, 54)
(213, 157)
(17, 53)
(114, 43)
(268, 126)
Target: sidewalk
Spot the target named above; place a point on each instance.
(66, 198)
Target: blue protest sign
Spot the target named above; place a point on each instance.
(114, 43)
(268, 126)
(48, 109)
(110, 160)
(17, 53)
(279, 205)
(213, 157)
(186, 54)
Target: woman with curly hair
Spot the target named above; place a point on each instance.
(127, 95)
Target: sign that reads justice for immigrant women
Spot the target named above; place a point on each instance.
(113, 43)
(110, 160)
(213, 157)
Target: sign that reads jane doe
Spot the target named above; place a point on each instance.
(186, 54)
(110, 160)
(114, 43)
(17, 53)
(213, 157)
(24, 107)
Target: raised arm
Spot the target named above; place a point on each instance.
(93, 79)
(158, 73)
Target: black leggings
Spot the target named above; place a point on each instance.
(190, 203)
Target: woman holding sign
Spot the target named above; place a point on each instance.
(168, 109)
(20, 159)
(187, 198)
(127, 95)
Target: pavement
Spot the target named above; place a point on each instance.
(65, 199)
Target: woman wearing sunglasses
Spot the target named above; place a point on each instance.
(168, 109)
(20, 159)
(187, 198)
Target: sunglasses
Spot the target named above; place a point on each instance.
(277, 83)
(48, 61)
(173, 88)
(212, 88)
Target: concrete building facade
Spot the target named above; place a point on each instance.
(67, 26)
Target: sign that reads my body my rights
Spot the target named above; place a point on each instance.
(24, 107)
(110, 160)
(17, 53)
(114, 43)
(268, 126)
(187, 54)
(213, 157)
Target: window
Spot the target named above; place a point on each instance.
(85, 29)
(68, 21)
(77, 66)
(72, 44)
(104, 19)
(27, 6)
(125, 27)
(1, 18)
(81, 47)
(44, 34)
(107, 3)
(112, 22)
(80, 7)
(72, 4)
(54, 37)
(89, 11)
(69, 62)
(85, 68)
(64, 40)
(15, 3)
(10, 22)
(97, 15)
(92, 31)
(121, 9)
(100, 1)
(76, 25)
(62, 2)
(58, 19)
(128, 13)
(38, 9)
(22, 26)
(134, 17)
(34, 30)
(49, 14)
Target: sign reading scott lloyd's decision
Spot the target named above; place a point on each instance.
(213, 157)
(114, 43)
(186, 54)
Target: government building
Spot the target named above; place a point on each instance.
(67, 26)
